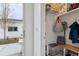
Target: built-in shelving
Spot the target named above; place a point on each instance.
(61, 14)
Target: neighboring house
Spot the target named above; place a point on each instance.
(14, 25)
(14, 29)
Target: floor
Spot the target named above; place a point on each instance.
(56, 51)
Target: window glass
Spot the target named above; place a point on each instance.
(12, 28)
(15, 11)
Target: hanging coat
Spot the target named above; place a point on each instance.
(74, 32)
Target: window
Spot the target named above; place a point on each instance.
(12, 29)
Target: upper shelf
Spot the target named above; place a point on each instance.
(68, 12)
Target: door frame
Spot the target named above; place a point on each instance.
(37, 39)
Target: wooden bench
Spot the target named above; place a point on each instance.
(66, 47)
(70, 48)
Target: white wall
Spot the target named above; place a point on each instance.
(50, 35)
(28, 29)
(70, 18)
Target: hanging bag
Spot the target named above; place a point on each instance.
(58, 27)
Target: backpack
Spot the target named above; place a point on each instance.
(58, 27)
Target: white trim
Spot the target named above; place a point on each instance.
(64, 51)
(39, 29)
(43, 36)
(34, 29)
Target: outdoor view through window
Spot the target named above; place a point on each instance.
(11, 28)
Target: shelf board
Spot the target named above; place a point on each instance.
(68, 12)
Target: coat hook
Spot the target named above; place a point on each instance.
(76, 19)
